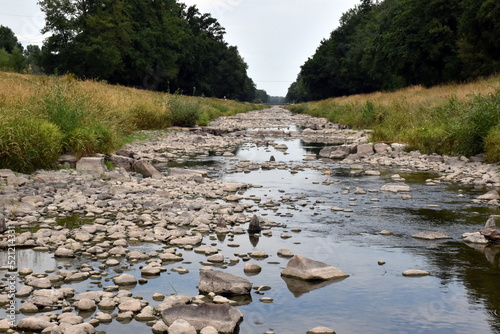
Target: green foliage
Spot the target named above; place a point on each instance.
(392, 44)
(184, 112)
(156, 45)
(492, 144)
(27, 144)
(150, 117)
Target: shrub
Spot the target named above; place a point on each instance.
(27, 144)
(90, 140)
(147, 117)
(183, 111)
(492, 144)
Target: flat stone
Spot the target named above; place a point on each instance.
(223, 283)
(125, 279)
(396, 187)
(132, 305)
(181, 326)
(474, 238)
(430, 235)
(321, 330)
(415, 273)
(222, 317)
(64, 252)
(306, 269)
(34, 324)
(92, 165)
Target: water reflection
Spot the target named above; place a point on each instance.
(299, 287)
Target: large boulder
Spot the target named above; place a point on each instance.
(309, 270)
(223, 317)
(222, 283)
(34, 324)
(336, 152)
(254, 226)
(147, 170)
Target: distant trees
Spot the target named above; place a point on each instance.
(11, 51)
(153, 44)
(395, 43)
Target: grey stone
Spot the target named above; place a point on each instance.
(474, 238)
(34, 324)
(430, 235)
(85, 304)
(222, 283)
(132, 305)
(415, 273)
(147, 170)
(84, 328)
(181, 326)
(125, 279)
(92, 165)
(254, 226)
(64, 252)
(321, 330)
(396, 187)
(306, 269)
(365, 149)
(222, 317)
(493, 194)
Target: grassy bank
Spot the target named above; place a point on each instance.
(43, 117)
(453, 119)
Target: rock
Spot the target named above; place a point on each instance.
(474, 238)
(222, 283)
(223, 317)
(382, 148)
(306, 269)
(252, 268)
(5, 325)
(193, 240)
(34, 324)
(85, 304)
(366, 149)
(386, 232)
(147, 170)
(209, 330)
(396, 187)
(429, 235)
(415, 273)
(336, 152)
(84, 328)
(159, 327)
(64, 252)
(39, 283)
(125, 279)
(91, 165)
(254, 226)
(103, 317)
(493, 194)
(259, 254)
(181, 326)
(321, 330)
(151, 270)
(69, 318)
(216, 258)
(28, 308)
(132, 305)
(284, 252)
(146, 314)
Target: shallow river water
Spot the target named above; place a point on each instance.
(460, 296)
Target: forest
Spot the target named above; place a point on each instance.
(390, 44)
(155, 45)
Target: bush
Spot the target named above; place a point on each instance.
(89, 140)
(492, 144)
(183, 111)
(27, 144)
(147, 117)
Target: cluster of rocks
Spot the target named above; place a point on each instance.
(142, 200)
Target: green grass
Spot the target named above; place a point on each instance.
(454, 119)
(43, 117)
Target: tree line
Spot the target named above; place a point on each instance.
(159, 45)
(393, 44)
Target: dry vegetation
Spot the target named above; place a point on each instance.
(43, 117)
(459, 119)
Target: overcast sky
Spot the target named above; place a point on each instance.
(275, 37)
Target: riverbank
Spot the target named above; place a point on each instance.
(454, 119)
(94, 225)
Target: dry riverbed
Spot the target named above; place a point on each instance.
(159, 220)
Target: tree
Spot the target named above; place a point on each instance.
(8, 40)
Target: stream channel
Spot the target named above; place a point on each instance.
(461, 294)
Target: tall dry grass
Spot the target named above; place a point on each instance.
(458, 119)
(42, 117)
